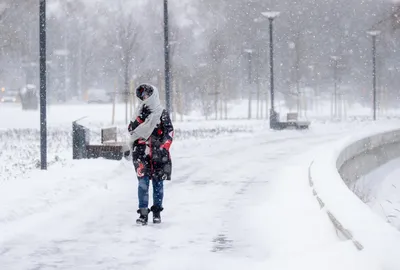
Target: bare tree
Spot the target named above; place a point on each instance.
(218, 51)
(16, 45)
(127, 33)
(103, 37)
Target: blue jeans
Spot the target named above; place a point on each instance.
(143, 192)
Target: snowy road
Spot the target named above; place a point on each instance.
(240, 202)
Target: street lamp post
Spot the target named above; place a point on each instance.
(172, 44)
(167, 60)
(273, 115)
(374, 34)
(43, 117)
(249, 59)
(258, 85)
(260, 105)
(335, 59)
(312, 79)
(389, 87)
(62, 58)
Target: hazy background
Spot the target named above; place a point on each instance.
(106, 44)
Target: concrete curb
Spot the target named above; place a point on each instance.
(336, 223)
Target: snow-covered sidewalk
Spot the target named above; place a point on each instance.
(238, 202)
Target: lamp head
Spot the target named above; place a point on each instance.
(335, 58)
(373, 33)
(271, 14)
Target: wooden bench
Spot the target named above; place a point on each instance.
(109, 148)
(292, 117)
(302, 124)
(292, 122)
(114, 152)
(108, 135)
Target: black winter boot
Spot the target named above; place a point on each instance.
(156, 213)
(144, 216)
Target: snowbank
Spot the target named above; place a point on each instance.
(350, 215)
(380, 191)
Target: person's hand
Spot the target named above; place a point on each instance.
(131, 127)
(166, 145)
(145, 112)
(128, 155)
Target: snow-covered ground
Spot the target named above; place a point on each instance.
(96, 115)
(101, 115)
(239, 200)
(20, 136)
(381, 190)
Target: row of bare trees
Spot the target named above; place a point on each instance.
(117, 44)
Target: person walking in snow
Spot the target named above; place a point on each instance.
(151, 135)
